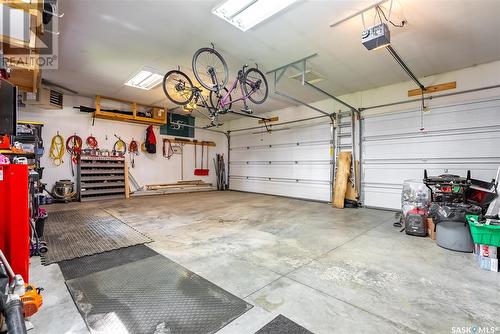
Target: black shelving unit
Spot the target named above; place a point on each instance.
(100, 177)
(30, 133)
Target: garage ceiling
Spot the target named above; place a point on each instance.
(104, 42)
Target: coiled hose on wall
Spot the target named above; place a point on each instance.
(57, 149)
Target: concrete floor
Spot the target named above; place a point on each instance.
(327, 269)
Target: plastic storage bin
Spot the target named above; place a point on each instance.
(483, 234)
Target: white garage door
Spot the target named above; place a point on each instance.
(457, 138)
(293, 162)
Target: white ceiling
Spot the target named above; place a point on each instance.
(104, 42)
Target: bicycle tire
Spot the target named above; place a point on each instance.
(188, 83)
(256, 74)
(198, 73)
(215, 97)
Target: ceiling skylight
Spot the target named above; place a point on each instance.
(245, 14)
(147, 78)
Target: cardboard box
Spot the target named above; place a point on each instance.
(488, 251)
(487, 263)
(158, 113)
(477, 251)
(431, 229)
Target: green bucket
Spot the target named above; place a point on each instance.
(483, 234)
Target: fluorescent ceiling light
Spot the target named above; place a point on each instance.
(147, 78)
(245, 14)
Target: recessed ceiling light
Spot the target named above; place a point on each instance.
(147, 78)
(245, 14)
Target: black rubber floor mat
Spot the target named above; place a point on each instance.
(282, 325)
(90, 264)
(153, 295)
(75, 233)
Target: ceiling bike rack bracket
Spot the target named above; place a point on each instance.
(301, 66)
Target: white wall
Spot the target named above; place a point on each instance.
(149, 168)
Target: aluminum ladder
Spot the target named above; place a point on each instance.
(344, 141)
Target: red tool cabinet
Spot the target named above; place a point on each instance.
(14, 217)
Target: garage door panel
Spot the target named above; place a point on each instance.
(467, 116)
(383, 197)
(445, 146)
(397, 174)
(293, 135)
(294, 162)
(319, 192)
(457, 138)
(310, 172)
(292, 153)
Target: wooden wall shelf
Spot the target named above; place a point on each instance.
(26, 76)
(159, 113)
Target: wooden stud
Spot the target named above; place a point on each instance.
(127, 184)
(433, 89)
(97, 104)
(269, 120)
(341, 179)
(134, 109)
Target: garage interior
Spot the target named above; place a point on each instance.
(249, 166)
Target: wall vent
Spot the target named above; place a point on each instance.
(47, 98)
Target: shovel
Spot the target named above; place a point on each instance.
(200, 171)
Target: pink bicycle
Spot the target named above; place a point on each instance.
(210, 69)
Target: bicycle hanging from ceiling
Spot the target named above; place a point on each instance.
(211, 71)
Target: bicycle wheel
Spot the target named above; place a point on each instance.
(178, 87)
(215, 98)
(210, 69)
(255, 85)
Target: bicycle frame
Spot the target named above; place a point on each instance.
(225, 100)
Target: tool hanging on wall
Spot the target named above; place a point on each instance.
(208, 147)
(220, 171)
(179, 149)
(74, 148)
(168, 151)
(91, 142)
(92, 145)
(57, 149)
(182, 161)
(201, 171)
(195, 142)
(119, 147)
(133, 150)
